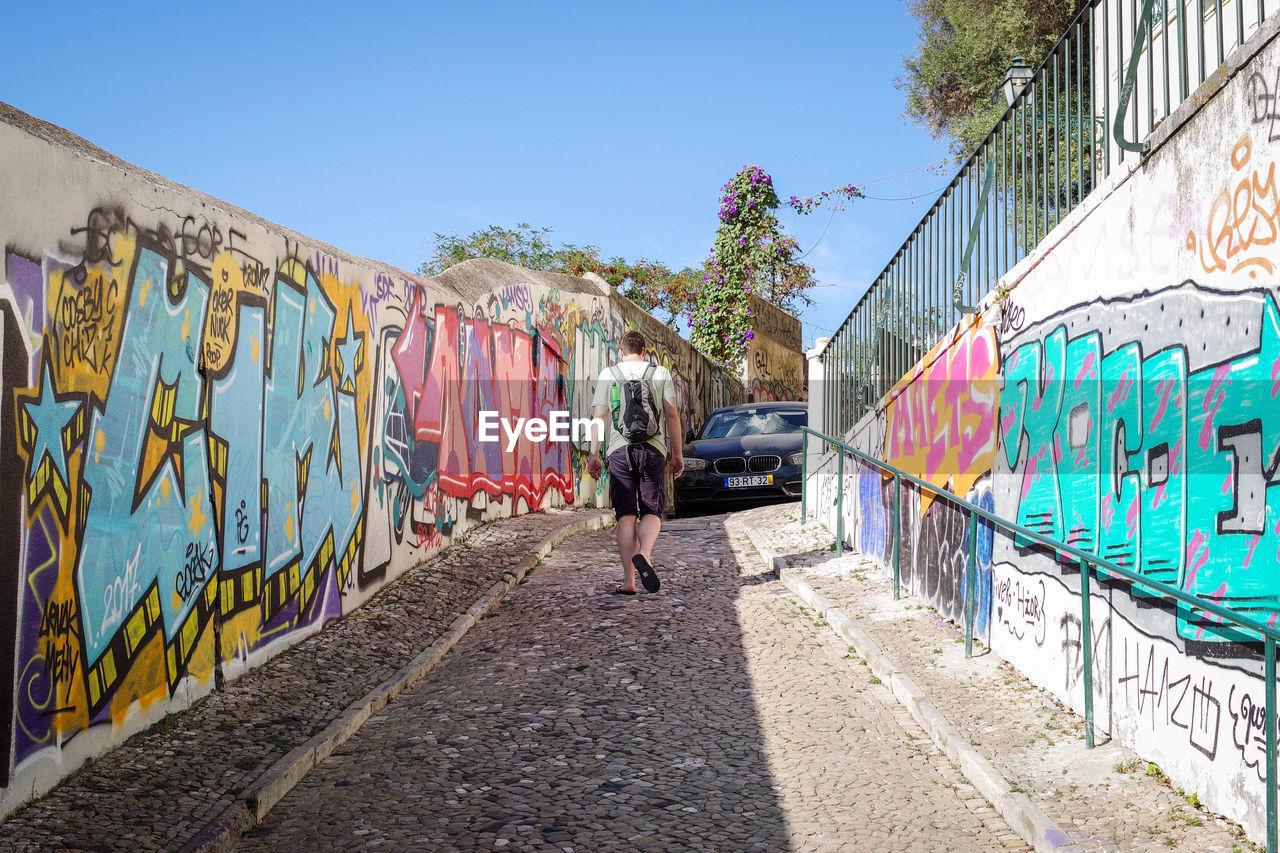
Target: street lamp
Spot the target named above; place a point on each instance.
(1015, 80)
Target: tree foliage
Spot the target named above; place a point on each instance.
(752, 255)
(952, 81)
(650, 284)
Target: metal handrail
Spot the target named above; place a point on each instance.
(1088, 562)
(1120, 69)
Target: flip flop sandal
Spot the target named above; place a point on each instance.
(621, 591)
(648, 576)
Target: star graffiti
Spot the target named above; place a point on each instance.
(50, 426)
(164, 442)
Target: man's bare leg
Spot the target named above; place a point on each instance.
(627, 549)
(647, 535)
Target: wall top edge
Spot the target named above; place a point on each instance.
(461, 278)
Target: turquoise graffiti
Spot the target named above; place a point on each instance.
(310, 455)
(1158, 467)
(147, 486)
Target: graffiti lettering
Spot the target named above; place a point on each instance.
(1249, 729)
(1263, 101)
(942, 415)
(195, 571)
(1160, 468)
(1243, 218)
(1019, 606)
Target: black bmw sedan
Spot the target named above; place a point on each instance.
(743, 453)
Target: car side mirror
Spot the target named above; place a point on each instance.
(689, 436)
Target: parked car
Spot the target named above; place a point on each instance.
(745, 453)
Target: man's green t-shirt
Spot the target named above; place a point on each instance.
(660, 385)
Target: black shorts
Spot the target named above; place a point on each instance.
(640, 491)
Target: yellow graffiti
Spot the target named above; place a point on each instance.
(222, 319)
(87, 307)
(1243, 219)
(941, 420)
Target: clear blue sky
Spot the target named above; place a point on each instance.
(374, 125)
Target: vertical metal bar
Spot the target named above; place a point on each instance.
(1086, 647)
(1269, 675)
(1106, 88)
(1239, 22)
(1022, 173)
(804, 474)
(1120, 63)
(1135, 45)
(1041, 129)
(1200, 39)
(1057, 147)
(1164, 43)
(969, 576)
(840, 503)
(1183, 82)
(1217, 19)
(1151, 77)
(1080, 150)
(897, 535)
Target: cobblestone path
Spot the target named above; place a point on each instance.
(713, 715)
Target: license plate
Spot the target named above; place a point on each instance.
(739, 482)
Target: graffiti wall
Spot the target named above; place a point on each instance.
(1121, 395)
(216, 435)
(774, 366)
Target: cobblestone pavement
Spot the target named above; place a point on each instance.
(1102, 798)
(161, 787)
(713, 715)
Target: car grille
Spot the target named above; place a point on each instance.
(731, 465)
(764, 464)
(755, 464)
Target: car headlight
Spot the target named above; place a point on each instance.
(793, 458)
(693, 463)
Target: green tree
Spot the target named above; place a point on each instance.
(650, 284)
(752, 255)
(952, 80)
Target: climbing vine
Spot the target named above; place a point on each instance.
(751, 256)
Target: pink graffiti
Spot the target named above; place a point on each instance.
(1253, 544)
(1197, 549)
(942, 424)
(1163, 388)
(1121, 393)
(1086, 371)
(1212, 400)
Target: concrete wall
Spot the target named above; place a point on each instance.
(1124, 398)
(217, 435)
(774, 367)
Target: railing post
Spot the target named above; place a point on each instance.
(897, 535)
(1131, 77)
(840, 505)
(1086, 648)
(969, 574)
(804, 475)
(1269, 673)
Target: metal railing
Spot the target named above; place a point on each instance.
(1122, 67)
(1088, 562)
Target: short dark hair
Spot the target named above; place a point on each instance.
(632, 343)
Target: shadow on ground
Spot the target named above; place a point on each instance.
(570, 718)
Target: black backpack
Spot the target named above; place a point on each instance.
(635, 415)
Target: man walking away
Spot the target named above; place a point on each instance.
(627, 399)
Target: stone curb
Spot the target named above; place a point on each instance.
(1023, 816)
(253, 804)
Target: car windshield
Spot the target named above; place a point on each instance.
(754, 422)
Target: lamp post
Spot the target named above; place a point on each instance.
(1015, 80)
